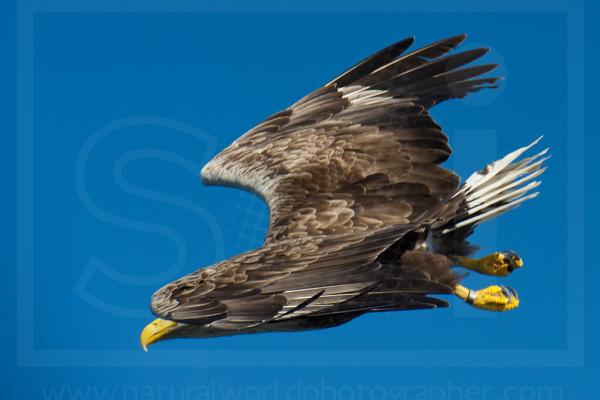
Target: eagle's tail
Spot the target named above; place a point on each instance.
(499, 187)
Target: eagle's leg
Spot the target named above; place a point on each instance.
(500, 263)
(492, 298)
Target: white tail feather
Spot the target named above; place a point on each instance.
(499, 187)
(486, 196)
(479, 178)
(506, 196)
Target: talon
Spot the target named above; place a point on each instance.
(496, 298)
(501, 263)
(516, 261)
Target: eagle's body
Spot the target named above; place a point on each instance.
(363, 217)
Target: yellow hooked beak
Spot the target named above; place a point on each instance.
(155, 331)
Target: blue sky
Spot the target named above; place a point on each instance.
(125, 108)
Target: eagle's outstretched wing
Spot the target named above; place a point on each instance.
(299, 277)
(346, 171)
(360, 153)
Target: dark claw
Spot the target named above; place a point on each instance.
(511, 253)
(509, 292)
(513, 260)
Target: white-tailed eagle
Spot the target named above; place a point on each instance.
(363, 216)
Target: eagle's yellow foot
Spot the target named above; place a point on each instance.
(492, 298)
(501, 263)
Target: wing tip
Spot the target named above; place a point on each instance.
(457, 39)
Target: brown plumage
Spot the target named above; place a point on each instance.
(353, 180)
